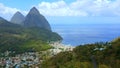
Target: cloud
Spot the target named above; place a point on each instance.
(7, 12)
(59, 8)
(76, 8)
(81, 8)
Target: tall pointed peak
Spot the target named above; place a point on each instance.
(35, 19)
(34, 10)
(18, 13)
(17, 18)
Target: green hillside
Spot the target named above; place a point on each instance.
(98, 55)
(21, 39)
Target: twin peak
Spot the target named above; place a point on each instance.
(32, 19)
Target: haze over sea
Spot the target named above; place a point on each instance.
(87, 30)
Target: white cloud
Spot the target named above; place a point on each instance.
(76, 8)
(7, 12)
(59, 8)
(81, 8)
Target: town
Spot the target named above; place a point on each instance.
(31, 59)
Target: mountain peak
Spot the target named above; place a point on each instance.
(34, 10)
(17, 12)
(17, 18)
(35, 19)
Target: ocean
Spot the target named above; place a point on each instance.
(79, 34)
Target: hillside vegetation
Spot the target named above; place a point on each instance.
(98, 55)
(17, 38)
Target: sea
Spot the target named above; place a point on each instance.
(79, 34)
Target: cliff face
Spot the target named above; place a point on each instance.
(35, 19)
(18, 18)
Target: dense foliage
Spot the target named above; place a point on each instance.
(98, 55)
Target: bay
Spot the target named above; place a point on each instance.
(78, 34)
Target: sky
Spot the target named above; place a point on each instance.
(74, 12)
(64, 8)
